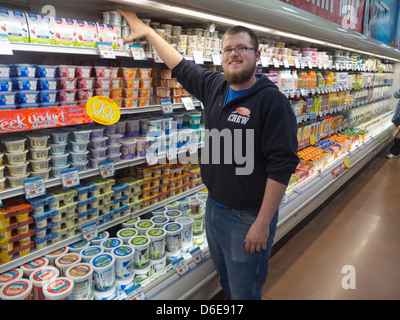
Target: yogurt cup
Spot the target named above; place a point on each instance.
(25, 70)
(128, 148)
(124, 284)
(142, 145)
(114, 138)
(14, 144)
(82, 276)
(129, 73)
(40, 153)
(81, 135)
(81, 166)
(19, 289)
(2, 184)
(55, 254)
(27, 84)
(59, 136)
(98, 153)
(67, 95)
(28, 97)
(104, 271)
(173, 236)
(18, 170)
(103, 83)
(38, 141)
(194, 120)
(172, 256)
(44, 173)
(198, 221)
(7, 98)
(144, 73)
(114, 72)
(132, 83)
(143, 225)
(126, 234)
(89, 252)
(97, 132)
(84, 94)
(111, 243)
(47, 84)
(57, 170)
(158, 265)
(79, 146)
(17, 181)
(5, 70)
(5, 85)
(78, 157)
(58, 148)
(40, 164)
(59, 161)
(142, 274)
(67, 260)
(102, 72)
(145, 83)
(59, 289)
(9, 276)
(78, 246)
(109, 294)
(44, 71)
(96, 161)
(141, 244)
(113, 149)
(47, 96)
(39, 278)
(86, 83)
(103, 92)
(157, 244)
(100, 237)
(16, 157)
(83, 71)
(33, 265)
(172, 215)
(124, 261)
(187, 230)
(116, 83)
(65, 71)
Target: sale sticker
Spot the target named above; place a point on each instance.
(103, 110)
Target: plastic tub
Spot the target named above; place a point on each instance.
(34, 265)
(89, 252)
(178, 117)
(144, 73)
(102, 92)
(79, 146)
(57, 170)
(194, 120)
(66, 71)
(141, 244)
(132, 83)
(143, 102)
(143, 225)
(97, 132)
(130, 93)
(123, 261)
(28, 97)
(18, 170)
(81, 135)
(19, 289)
(83, 71)
(59, 289)
(102, 72)
(145, 83)
(115, 93)
(40, 164)
(172, 215)
(17, 181)
(95, 162)
(129, 73)
(158, 265)
(109, 244)
(187, 230)
(98, 143)
(115, 83)
(82, 276)
(142, 144)
(7, 98)
(27, 84)
(44, 71)
(84, 94)
(114, 138)
(98, 153)
(9, 276)
(115, 158)
(103, 83)
(47, 84)
(16, 157)
(126, 234)
(41, 153)
(39, 278)
(14, 144)
(157, 245)
(104, 271)
(25, 70)
(5, 85)
(86, 83)
(142, 274)
(5, 70)
(59, 136)
(81, 166)
(144, 93)
(67, 95)
(58, 148)
(114, 72)
(45, 174)
(59, 160)
(113, 149)
(38, 141)
(47, 96)
(198, 221)
(78, 156)
(173, 236)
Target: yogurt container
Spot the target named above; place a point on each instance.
(111, 243)
(102, 72)
(67, 260)
(83, 71)
(40, 164)
(57, 170)
(44, 71)
(19, 289)
(47, 84)
(104, 271)
(39, 278)
(187, 230)
(198, 221)
(55, 254)
(124, 284)
(128, 148)
(132, 83)
(126, 234)
(67, 95)
(18, 170)
(5, 85)
(78, 246)
(81, 135)
(86, 83)
(157, 244)
(59, 136)
(66, 71)
(39, 153)
(33, 265)
(59, 289)
(123, 261)
(78, 157)
(144, 73)
(47, 96)
(57, 149)
(82, 276)
(142, 274)
(16, 157)
(14, 144)
(172, 256)
(84, 94)
(9, 276)
(98, 143)
(141, 244)
(17, 181)
(159, 221)
(95, 162)
(5, 70)
(25, 70)
(172, 215)
(173, 236)
(7, 98)
(59, 160)
(143, 225)
(89, 252)
(97, 133)
(27, 84)
(38, 141)
(28, 97)
(79, 146)
(158, 265)
(98, 153)
(100, 237)
(109, 294)
(113, 148)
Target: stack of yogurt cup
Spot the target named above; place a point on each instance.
(98, 146)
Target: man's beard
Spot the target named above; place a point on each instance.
(239, 77)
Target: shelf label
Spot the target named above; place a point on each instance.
(297, 63)
(157, 57)
(180, 266)
(346, 162)
(135, 293)
(106, 169)
(198, 57)
(106, 50)
(198, 255)
(338, 170)
(34, 187)
(70, 178)
(276, 62)
(89, 230)
(5, 45)
(103, 110)
(188, 103)
(264, 61)
(166, 106)
(137, 52)
(216, 58)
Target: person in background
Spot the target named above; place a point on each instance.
(242, 207)
(395, 149)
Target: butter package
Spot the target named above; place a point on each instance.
(41, 29)
(13, 23)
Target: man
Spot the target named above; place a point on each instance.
(395, 149)
(242, 209)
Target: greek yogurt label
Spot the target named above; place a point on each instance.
(144, 224)
(139, 241)
(127, 233)
(44, 275)
(79, 270)
(68, 259)
(123, 251)
(102, 260)
(59, 286)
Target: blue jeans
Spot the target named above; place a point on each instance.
(242, 274)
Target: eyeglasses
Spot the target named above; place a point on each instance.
(239, 50)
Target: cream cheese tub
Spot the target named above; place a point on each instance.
(104, 271)
(66, 260)
(39, 278)
(143, 225)
(105, 295)
(9, 276)
(124, 261)
(82, 276)
(157, 242)
(33, 265)
(141, 244)
(111, 243)
(55, 254)
(89, 252)
(19, 289)
(198, 221)
(59, 289)
(173, 236)
(126, 234)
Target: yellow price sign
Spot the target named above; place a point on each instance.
(346, 162)
(313, 139)
(103, 110)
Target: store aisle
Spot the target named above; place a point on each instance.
(360, 227)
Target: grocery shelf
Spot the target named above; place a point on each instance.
(52, 182)
(155, 108)
(17, 261)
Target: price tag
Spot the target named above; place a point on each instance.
(89, 230)
(157, 57)
(297, 63)
(5, 45)
(313, 139)
(188, 103)
(198, 57)
(138, 52)
(310, 64)
(106, 50)
(103, 110)
(166, 106)
(276, 62)
(286, 63)
(216, 58)
(106, 169)
(34, 187)
(198, 255)
(70, 178)
(264, 61)
(135, 293)
(180, 266)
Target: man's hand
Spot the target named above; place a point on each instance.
(138, 28)
(257, 237)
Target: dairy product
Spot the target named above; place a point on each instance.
(64, 31)
(41, 29)
(59, 289)
(39, 278)
(14, 24)
(86, 34)
(124, 261)
(104, 271)
(107, 34)
(82, 276)
(157, 245)
(19, 289)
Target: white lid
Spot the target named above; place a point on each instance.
(130, 223)
(78, 246)
(66, 260)
(156, 233)
(144, 224)
(159, 211)
(195, 215)
(102, 261)
(100, 237)
(173, 228)
(55, 254)
(90, 252)
(31, 266)
(9, 276)
(184, 221)
(79, 272)
(16, 290)
(58, 288)
(110, 243)
(173, 214)
(140, 242)
(123, 252)
(105, 295)
(160, 219)
(43, 275)
(126, 233)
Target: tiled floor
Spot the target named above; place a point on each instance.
(359, 227)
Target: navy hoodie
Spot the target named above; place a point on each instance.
(263, 113)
